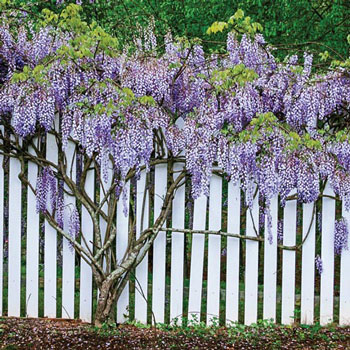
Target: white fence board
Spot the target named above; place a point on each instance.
(85, 309)
(344, 297)
(32, 249)
(159, 247)
(177, 246)
(288, 263)
(177, 251)
(121, 248)
(308, 265)
(50, 250)
(251, 265)
(214, 250)
(270, 264)
(197, 260)
(14, 239)
(327, 255)
(232, 253)
(141, 283)
(2, 183)
(68, 264)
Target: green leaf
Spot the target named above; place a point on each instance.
(217, 27)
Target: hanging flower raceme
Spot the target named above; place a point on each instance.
(319, 264)
(74, 223)
(280, 231)
(341, 236)
(46, 191)
(60, 205)
(33, 105)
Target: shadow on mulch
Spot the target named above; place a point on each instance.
(20, 334)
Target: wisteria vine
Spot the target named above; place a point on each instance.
(264, 122)
(272, 126)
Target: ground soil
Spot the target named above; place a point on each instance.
(16, 334)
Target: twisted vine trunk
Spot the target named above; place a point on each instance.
(111, 288)
(106, 300)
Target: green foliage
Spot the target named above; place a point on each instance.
(147, 100)
(265, 124)
(237, 23)
(223, 80)
(37, 74)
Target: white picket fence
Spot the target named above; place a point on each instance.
(170, 297)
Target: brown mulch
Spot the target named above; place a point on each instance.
(45, 334)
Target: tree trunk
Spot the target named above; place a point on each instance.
(105, 302)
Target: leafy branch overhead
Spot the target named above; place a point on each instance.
(238, 23)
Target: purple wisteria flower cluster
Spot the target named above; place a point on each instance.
(262, 121)
(341, 236)
(319, 264)
(46, 191)
(74, 225)
(280, 231)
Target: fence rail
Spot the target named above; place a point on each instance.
(191, 271)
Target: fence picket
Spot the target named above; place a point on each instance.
(344, 296)
(68, 264)
(288, 263)
(214, 250)
(308, 265)
(177, 250)
(32, 249)
(85, 269)
(270, 263)
(2, 183)
(159, 246)
(197, 260)
(121, 247)
(142, 220)
(232, 253)
(251, 265)
(14, 239)
(327, 255)
(50, 250)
